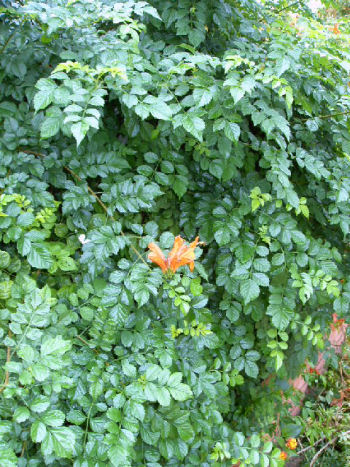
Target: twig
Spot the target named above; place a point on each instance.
(8, 41)
(8, 359)
(100, 202)
(23, 448)
(327, 116)
(98, 199)
(309, 447)
(317, 455)
(87, 425)
(86, 343)
(104, 207)
(288, 6)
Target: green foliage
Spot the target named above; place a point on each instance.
(325, 415)
(129, 123)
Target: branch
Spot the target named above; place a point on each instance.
(91, 191)
(104, 207)
(317, 455)
(8, 359)
(23, 448)
(8, 41)
(86, 343)
(310, 447)
(100, 202)
(288, 6)
(327, 116)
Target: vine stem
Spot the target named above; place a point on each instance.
(327, 116)
(309, 447)
(8, 41)
(288, 6)
(86, 343)
(8, 359)
(23, 448)
(98, 199)
(87, 425)
(318, 453)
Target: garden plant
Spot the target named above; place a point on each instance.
(174, 228)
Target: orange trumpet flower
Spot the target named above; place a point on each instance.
(335, 29)
(180, 255)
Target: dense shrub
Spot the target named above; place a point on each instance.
(129, 123)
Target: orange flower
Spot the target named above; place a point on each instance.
(180, 255)
(283, 455)
(292, 443)
(336, 30)
(157, 256)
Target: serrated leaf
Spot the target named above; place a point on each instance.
(38, 431)
(194, 125)
(181, 392)
(251, 369)
(232, 131)
(79, 131)
(21, 414)
(39, 256)
(63, 441)
(55, 345)
(161, 110)
(53, 418)
(249, 290)
(42, 99)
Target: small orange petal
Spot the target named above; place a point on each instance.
(157, 256)
(178, 243)
(195, 243)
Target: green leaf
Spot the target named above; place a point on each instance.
(237, 94)
(42, 99)
(161, 110)
(67, 264)
(185, 431)
(21, 414)
(196, 288)
(7, 457)
(163, 396)
(194, 125)
(216, 168)
(39, 257)
(180, 185)
(114, 414)
(181, 392)
(62, 440)
(223, 235)
(53, 418)
(251, 369)
(79, 131)
(152, 372)
(5, 259)
(50, 127)
(249, 290)
(40, 372)
(55, 345)
(117, 454)
(232, 131)
(137, 410)
(281, 317)
(40, 404)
